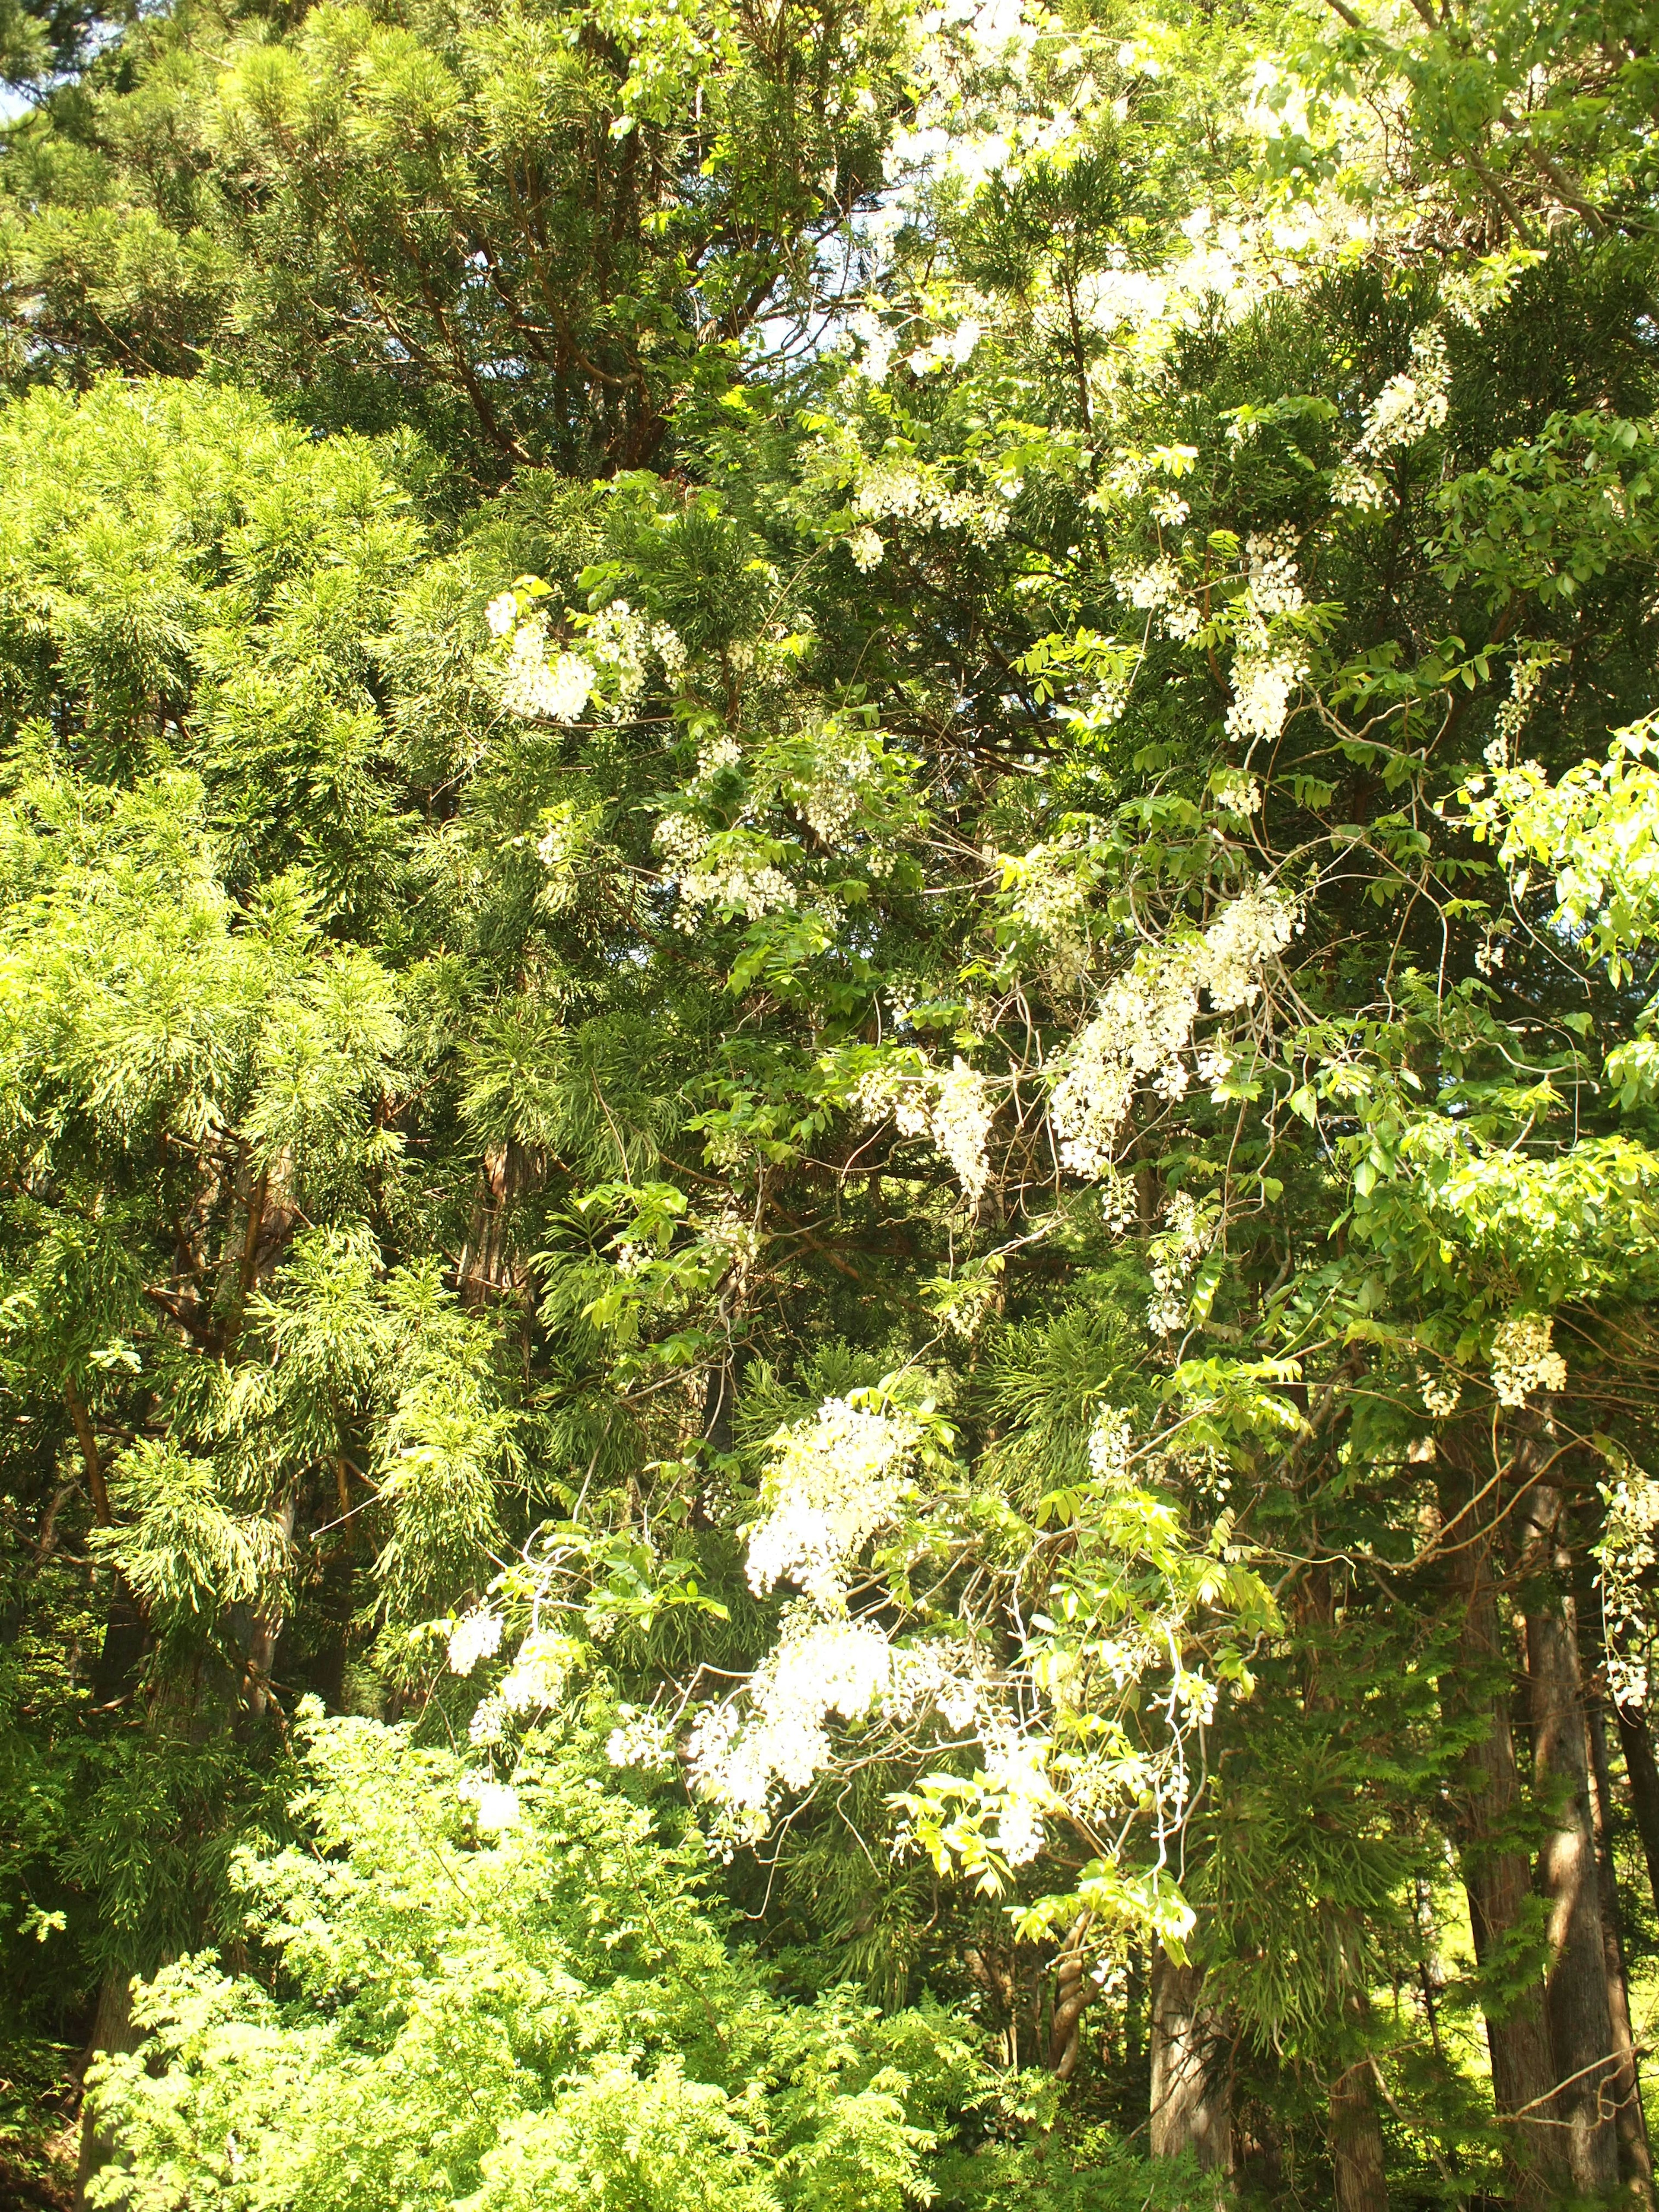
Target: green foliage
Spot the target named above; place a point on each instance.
(827, 1046)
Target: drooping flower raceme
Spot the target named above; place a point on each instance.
(1411, 405)
(1146, 1018)
(1522, 1361)
(543, 690)
(830, 1485)
(477, 1635)
(953, 1107)
(1268, 665)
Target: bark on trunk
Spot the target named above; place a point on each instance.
(1635, 2157)
(1644, 1771)
(1581, 2025)
(1357, 2141)
(1499, 1881)
(265, 1628)
(1191, 2101)
(1072, 1990)
(112, 2030)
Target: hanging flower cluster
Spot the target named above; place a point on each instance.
(1173, 1257)
(1268, 665)
(952, 1106)
(833, 1482)
(1145, 1025)
(617, 643)
(1522, 1361)
(1411, 405)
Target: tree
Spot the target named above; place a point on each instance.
(901, 1043)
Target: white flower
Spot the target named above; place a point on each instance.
(1154, 586)
(866, 549)
(950, 1107)
(1239, 792)
(1182, 624)
(639, 1739)
(1173, 1256)
(1440, 1393)
(1146, 1023)
(818, 1668)
(1410, 405)
(1016, 1769)
(495, 1804)
(1357, 488)
(1110, 1442)
(537, 1674)
(501, 613)
(477, 1635)
(1263, 685)
(833, 1482)
(537, 692)
(962, 1118)
(1522, 1360)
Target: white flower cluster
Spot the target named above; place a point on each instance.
(1522, 1361)
(866, 549)
(1360, 488)
(1016, 1768)
(734, 876)
(622, 641)
(774, 1736)
(616, 644)
(1182, 622)
(1120, 1203)
(538, 690)
(953, 348)
(640, 1739)
(1267, 668)
(1157, 585)
(1111, 1440)
(843, 772)
(1274, 586)
(477, 1635)
(1626, 1556)
(908, 493)
(1045, 892)
(1263, 686)
(833, 1482)
(1237, 790)
(495, 1804)
(1173, 1256)
(539, 1674)
(1145, 1021)
(1411, 405)
(962, 1121)
(952, 1107)
(741, 1757)
(1440, 1393)
(1526, 676)
(533, 1684)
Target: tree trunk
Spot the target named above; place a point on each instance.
(1644, 1771)
(1072, 1990)
(1576, 1985)
(112, 2030)
(1191, 2101)
(1499, 1881)
(326, 1673)
(1357, 2141)
(1635, 2157)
